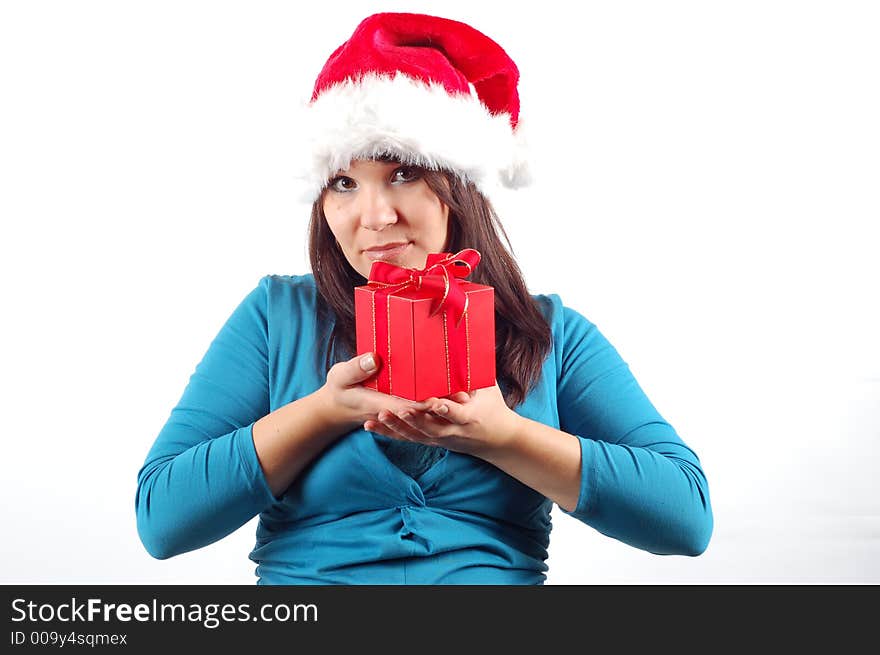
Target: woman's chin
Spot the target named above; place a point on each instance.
(406, 257)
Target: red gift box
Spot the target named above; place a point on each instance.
(434, 331)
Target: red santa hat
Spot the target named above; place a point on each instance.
(431, 91)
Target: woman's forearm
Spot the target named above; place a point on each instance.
(289, 438)
(543, 458)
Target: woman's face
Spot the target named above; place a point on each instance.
(385, 211)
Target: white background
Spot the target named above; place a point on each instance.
(707, 192)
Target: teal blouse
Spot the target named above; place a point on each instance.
(355, 517)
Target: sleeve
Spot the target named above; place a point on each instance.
(640, 483)
(202, 479)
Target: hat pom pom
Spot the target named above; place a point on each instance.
(517, 174)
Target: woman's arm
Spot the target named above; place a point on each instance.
(481, 425)
(541, 457)
(202, 479)
(640, 483)
(289, 438)
(614, 464)
(222, 457)
(651, 495)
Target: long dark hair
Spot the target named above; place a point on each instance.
(522, 334)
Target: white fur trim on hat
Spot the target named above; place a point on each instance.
(420, 123)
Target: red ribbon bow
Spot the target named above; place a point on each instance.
(440, 277)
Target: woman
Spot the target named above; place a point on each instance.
(413, 124)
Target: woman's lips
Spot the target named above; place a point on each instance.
(393, 252)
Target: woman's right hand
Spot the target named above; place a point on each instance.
(349, 402)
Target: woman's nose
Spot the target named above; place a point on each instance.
(376, 209)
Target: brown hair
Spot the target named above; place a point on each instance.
(522, 334)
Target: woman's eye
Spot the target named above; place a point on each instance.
(405, 174)
(343, 183)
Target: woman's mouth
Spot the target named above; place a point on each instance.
(388, 251)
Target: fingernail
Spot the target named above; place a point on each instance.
(404, 414)
(367, 362)
(442, 409)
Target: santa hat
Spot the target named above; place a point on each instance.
(430, 91)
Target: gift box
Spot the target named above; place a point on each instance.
(434, 331)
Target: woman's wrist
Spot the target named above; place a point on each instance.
(500, 436)
(329, 413)
(290, 437)
(544, 458)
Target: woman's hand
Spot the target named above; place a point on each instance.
(474, 423)
(344, 398)
(293, 435)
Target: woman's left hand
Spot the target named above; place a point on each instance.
(473, 423)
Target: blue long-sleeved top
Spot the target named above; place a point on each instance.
(353, 517)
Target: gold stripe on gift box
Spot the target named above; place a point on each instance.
(446, 346)
(467, 341)
(388, 323)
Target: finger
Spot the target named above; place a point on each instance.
(412, 425)
(385, 426)
(461, 397)
(375, 401)
(431, 406)
(399, 425)
(362, 366)
(452, 412)
(449, 411)
(416, 406)
(380, 428)
(432, 427)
